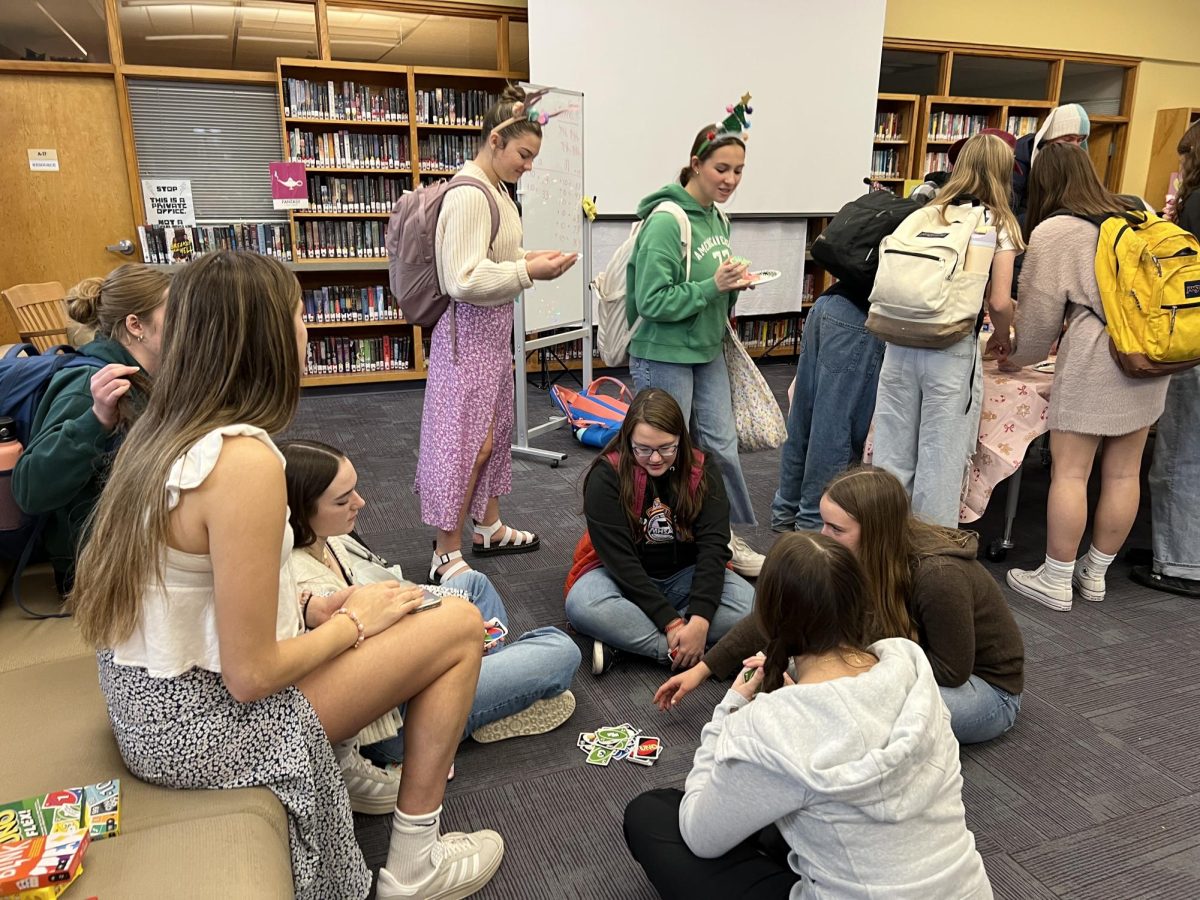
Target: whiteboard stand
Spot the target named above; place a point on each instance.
(552, 195)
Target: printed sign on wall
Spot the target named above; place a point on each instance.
(168, 201)
(43, 160)
(289, 185)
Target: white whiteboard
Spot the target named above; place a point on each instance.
(551, 214)
(656, 72)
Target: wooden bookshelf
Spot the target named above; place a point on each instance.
(1169, 127)
(1063, 82)
(895, 129)
(325, 87)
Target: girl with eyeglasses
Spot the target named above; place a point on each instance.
(651, 575)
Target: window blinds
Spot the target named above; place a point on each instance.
(220, 136)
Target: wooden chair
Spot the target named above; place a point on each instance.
(40, 313)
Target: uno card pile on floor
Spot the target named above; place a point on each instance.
(619, 742)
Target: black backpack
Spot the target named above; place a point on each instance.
(849, 247)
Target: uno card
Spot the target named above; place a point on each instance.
(493, 633)
(647, 748)
(612, 736)
(587, 740)
(600, 756)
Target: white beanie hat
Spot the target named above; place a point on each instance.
(1063, 120)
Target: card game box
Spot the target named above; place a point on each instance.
(43, 839)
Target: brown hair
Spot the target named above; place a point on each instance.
(685, 174)
(1189, 165)
(229, 356)
(502, 110)
(658, 409)
(1062, 177)
(311, 468)
(891, 544)
(811, 598)
(105, 303)
(984, 171)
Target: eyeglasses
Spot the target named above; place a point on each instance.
(646, 452)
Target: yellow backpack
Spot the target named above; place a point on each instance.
(1148, 271)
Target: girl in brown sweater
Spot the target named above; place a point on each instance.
(926, 585)
(1092, 401)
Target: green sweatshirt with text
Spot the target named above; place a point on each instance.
(683, 319)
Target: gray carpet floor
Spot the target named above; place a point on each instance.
(1095, 793)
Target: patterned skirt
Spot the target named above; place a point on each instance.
(189, 732)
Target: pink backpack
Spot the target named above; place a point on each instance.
(411, 235)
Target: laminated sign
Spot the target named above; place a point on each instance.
(168, 201)
(289, 185)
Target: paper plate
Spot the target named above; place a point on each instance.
(757, 278)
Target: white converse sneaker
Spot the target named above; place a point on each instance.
(747, 561)
(544, 715)
(372, 790)
(464, 864)
(1090, 587)
(1029, 583)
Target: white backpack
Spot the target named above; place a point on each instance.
(614, 331)
(922, 297)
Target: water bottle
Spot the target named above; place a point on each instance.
(980, 251)
(10, 450)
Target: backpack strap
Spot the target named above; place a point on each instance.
(685, 231)
(494, 213)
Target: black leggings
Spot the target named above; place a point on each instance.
(756, 868)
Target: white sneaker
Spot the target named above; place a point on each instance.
(464, 864)
(1029, 583)
(747, 561)
(1090, 587)
(372, 790)
(544, 715)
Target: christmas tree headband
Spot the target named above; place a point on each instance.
(525, 111)
(734, 125)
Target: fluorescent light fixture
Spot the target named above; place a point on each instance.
(186, 37)
(360, 42)
(60, 28)
(267, 39)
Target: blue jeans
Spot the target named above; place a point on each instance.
(596, 607)
(703, 393)
(1175, 480)
(927, 423)
(836, 379)
(980, 711)
(512, 677)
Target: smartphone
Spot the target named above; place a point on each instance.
(430, 601)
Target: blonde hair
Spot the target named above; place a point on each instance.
(229, 357)
(984, 171)
(105, 303)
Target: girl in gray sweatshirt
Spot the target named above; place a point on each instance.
(853, 761)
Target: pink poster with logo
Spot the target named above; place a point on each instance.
(289, 186)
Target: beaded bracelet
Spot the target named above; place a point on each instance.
(362, 634)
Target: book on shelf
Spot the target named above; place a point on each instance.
(43, 839)
(353, 149)
(345, 355)
(347, 100)
(937, 162)
(340, 239)
(885, 163)
(759, 334)
(350, 303)
(178, 244)
(950, 126)
(888, 126)
(446, 151)
(355, 193)
(1019, 126)
(451, 106)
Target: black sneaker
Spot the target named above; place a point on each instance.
(603, 657)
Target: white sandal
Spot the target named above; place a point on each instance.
(442, 559)
(514, 540)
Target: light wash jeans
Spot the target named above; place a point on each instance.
(836, 379)
(1175, 480)
(927, 423)
(980, 711)
(596, 607)
(512, 677)
(703, 393)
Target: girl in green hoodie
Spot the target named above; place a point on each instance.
(677, 347)
(85, 410)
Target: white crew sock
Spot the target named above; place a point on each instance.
(410, 851)
(1095, 563)
(1056, 574)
